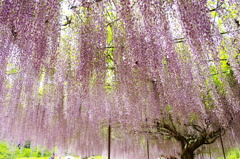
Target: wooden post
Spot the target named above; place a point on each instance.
(109, 141)
(210, 154)
(147, 149)
(222, 146)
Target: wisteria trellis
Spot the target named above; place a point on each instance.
(65, 78)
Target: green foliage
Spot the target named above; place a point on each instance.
(233, 154)
(14, 152)
(11, 69)
(109, 60)
(5, 151)
(27, 144)
(109, 35)
(33, 158)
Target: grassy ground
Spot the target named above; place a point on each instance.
(33, 158)
(95, 157)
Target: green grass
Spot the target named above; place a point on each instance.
(32, 158)
(95, 157)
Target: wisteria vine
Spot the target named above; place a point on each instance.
(69, 68)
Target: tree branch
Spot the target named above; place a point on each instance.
(68, 21)
(112, 22)
(174, 133)
(196, 127)
(180, 40)
(229, 31)
(214, 9)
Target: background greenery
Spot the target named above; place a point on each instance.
(233, 154)
(26, 152)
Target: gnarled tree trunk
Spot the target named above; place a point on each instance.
(187, 154)
(190, 141)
